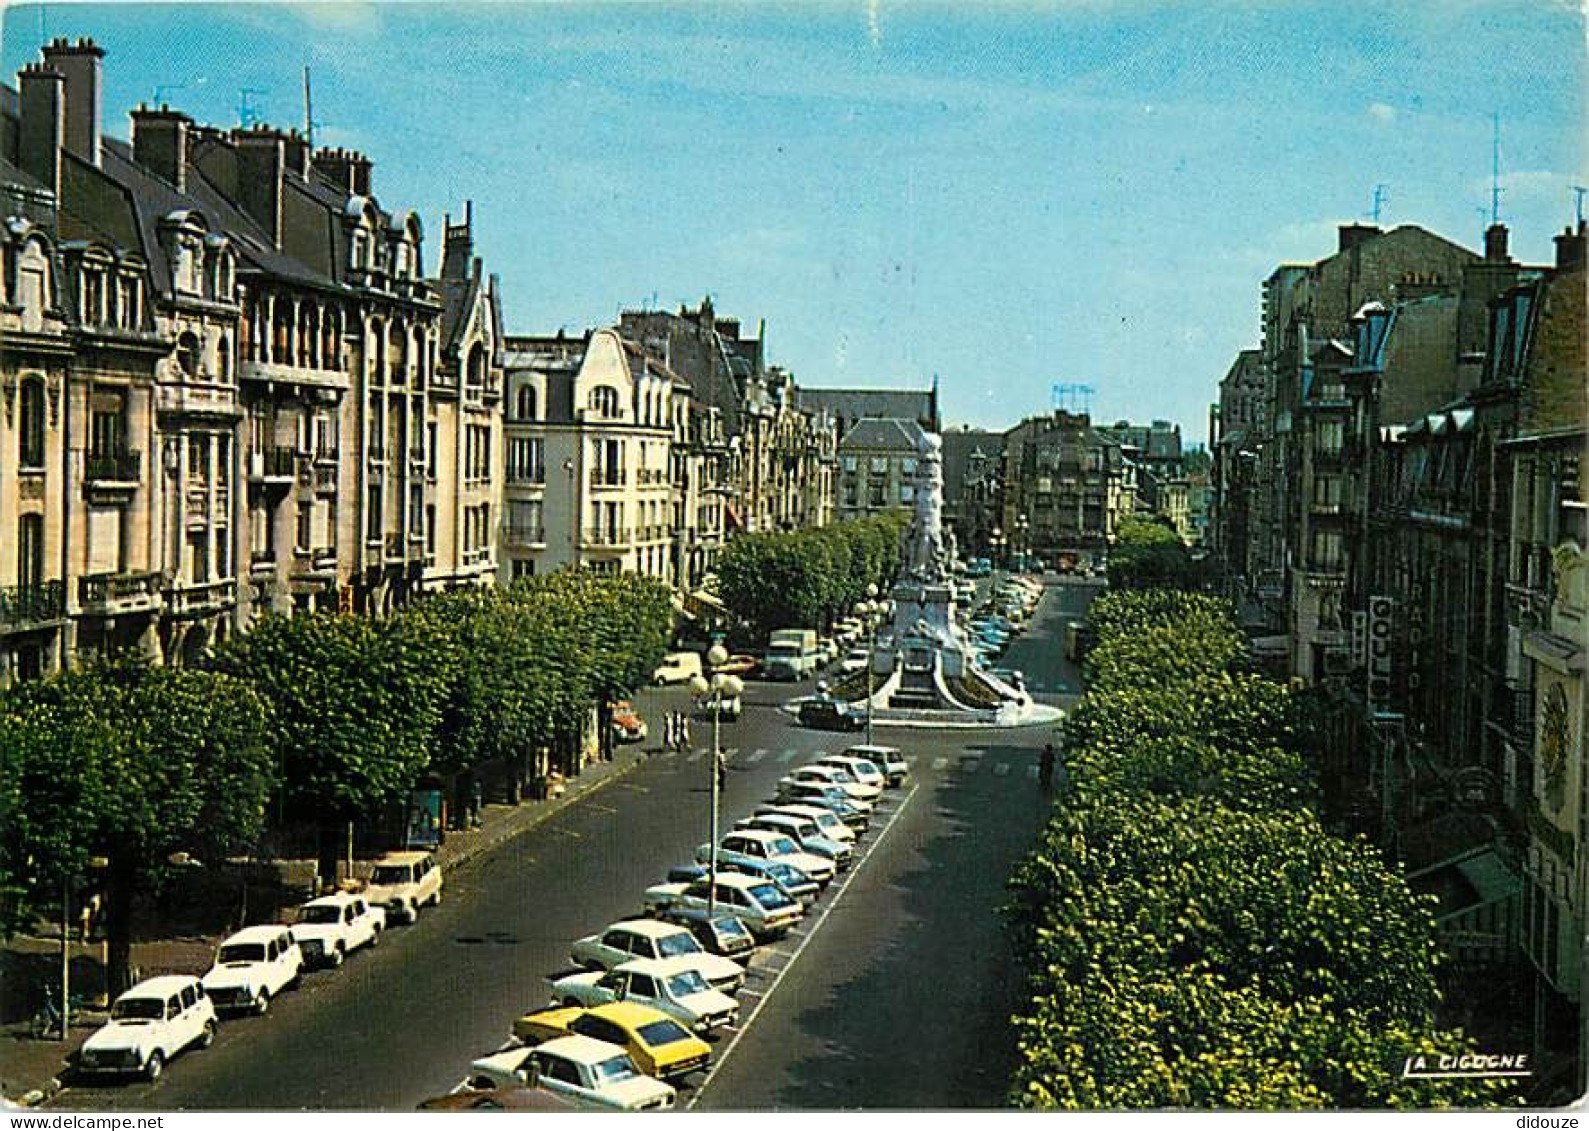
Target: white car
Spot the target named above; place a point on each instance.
(652, 938)
(677, 667)
(806, 834)
(761, 845)
(758, 903)
(150, 1024)
(593, 1073)
(253, 966)
(403, 882)
(672, 985)
(334, 926)
(855, 660)
(889, 759)
(862, 769)
(818, 774)
(831, 824)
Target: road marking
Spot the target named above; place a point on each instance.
(695, 755)
(939, 763)
(569, 832)
(1031, 772)
(970, 765)
(1001, 769)
(787, 755)
(811, 933)
(757, 755)
(595, 808)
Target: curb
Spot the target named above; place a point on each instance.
(468, 854)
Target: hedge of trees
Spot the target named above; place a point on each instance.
(1149, 554)
(1191, 935)
(808, 578)
(309, 719)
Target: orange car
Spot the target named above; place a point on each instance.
(627, 725)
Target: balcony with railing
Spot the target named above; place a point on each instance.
(23, 605)
(199, 597)
(524, 534)
(608, 477)
(275, 464)
(114, 467)
(530, 475)
(608, 537)
(115, 593)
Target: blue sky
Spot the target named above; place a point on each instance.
(1006, 194)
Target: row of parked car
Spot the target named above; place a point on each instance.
(160, 1017)
(1002, 617)
(634, 1016)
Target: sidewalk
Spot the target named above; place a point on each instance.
(30, 1069)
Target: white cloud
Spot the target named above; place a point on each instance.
(1382, 112)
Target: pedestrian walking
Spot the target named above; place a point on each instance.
(684, 731)
(669, 740)
(477, 802)
(1045, 767)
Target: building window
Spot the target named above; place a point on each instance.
(30, 551)
(476, 368)
(526, 402)
(1328, 550)
(603, 402)
(523, 567)
(1329, 438)
(31, 438)
(526, 460)
(188, 354)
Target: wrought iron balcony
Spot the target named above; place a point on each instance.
(121, 465)
(31, 604)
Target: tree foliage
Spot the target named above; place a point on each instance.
(810, 577)
(1193, 937)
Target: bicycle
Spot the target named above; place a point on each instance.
(47, 1022)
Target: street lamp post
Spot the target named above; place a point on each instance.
(868, 610)
(721, 687)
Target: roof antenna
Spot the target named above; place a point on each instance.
(247, 112)
(1577, 203)
(1495, 174)
(1381, 198)
(309, 120)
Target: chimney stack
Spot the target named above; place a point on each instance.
(80, 64)
(1495, 244)
(1570, 247)
(1351, 235)
(348, 169)
(160, 143)
(43, 124)
(261, 163)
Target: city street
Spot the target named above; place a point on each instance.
(895, 993)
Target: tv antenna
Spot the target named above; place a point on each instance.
(1577, 202)
(1381, 198)
(1068, 397)
(247, 111)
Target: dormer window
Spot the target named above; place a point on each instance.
(476, 374)
(93, 296)
(526, 402)
(129, 313)
(602, 402)
(361, 250)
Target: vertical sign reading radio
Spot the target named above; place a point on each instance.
(1381, 623)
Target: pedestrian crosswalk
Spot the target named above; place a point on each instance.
(963, 765)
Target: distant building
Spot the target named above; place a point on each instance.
(877, 467)
(1067, 485)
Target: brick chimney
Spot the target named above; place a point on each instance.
(43, 124)
(1570, 247)
(160, 143)
(457, 244)
(298, 154)
(1351, 235)
(1495, 244)
(261, 163)
(80, 64)
(348, 169)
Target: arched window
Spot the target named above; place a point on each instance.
(223, 360)
(603, 402)
(31, 438)
(331, 325)
(398, 356)
(526, 405)
(477, 365)
(188, 354)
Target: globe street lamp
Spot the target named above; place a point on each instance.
(721, 686)
(868, 610)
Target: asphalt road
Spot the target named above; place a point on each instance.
(896, 992)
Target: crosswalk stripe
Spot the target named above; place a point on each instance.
(1031, 772)
(939, 763)
(971, 765)
(1001, 769)
(787, 755)
(757, 755)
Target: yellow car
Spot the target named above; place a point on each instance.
(658, 1045)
